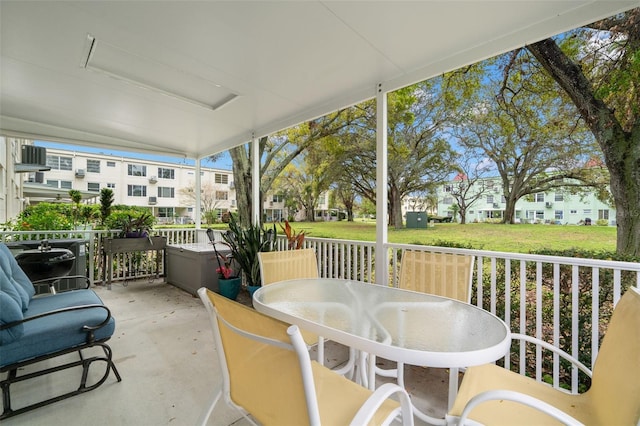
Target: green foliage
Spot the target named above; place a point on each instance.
(565, 279)
(45, 216)
(245, 243)
(106, 202)
(130, 219)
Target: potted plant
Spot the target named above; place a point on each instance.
(136, 226)
(245, 244)
(228, 279)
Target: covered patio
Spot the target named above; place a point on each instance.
(164, 349)
(193, 79)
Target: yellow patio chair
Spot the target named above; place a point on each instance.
(496, 396)
(443, 274)
(291, 264)
(287, 265)
(267, 374)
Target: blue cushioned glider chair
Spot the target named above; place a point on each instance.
(36, 329)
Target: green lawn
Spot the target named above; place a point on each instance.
(510, 238)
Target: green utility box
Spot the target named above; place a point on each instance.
(417, 220)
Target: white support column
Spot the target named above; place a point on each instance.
(197, 217)
(255, 181)
(382, 264)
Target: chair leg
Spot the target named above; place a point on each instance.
(215, 397)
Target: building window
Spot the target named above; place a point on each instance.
(539, 197)
(136, 170)
(136, 190)
(447, 200)
(489, 199)
(448, 188)
(111, 163)
(586, 211)
(166, 192)
(558, 197)
(559, 215)
(166, 212)
(603, 214)
(93, 187)
(111, 185)
(221, 178)
(93, 166)
(62, 184)
(278, 198)
(222, 195)
(164, 173)
(57, 162)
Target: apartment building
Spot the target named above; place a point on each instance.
(558, 207)
(166, 188)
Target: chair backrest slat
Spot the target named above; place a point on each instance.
(442, 274)
(287, 265)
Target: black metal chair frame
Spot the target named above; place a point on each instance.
(12, 369)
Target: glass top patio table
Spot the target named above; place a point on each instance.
(399, 325)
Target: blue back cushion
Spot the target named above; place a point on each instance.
(17, 276)
(10, 311)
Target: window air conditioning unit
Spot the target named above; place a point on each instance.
(232, 185)
(79, 173)
(496, 205)
(548, 204)
(153, 179)
(153, 200)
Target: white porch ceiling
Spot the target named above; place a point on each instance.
(195, 78)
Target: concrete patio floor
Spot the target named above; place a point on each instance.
(163, 348)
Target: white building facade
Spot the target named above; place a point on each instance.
(165, 188)
(557, 207)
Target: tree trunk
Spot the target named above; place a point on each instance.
(395, 208)
(621, 149)
(242, 181)
(509, 212)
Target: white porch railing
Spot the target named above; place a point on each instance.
(565, 301)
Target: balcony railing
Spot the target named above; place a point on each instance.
(562, 300)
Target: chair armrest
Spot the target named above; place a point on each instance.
(89, 328)
(369, 408)
(53, 280)
(520, 398)
(563, 354)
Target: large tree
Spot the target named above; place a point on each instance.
(533, 137)
(469, 185)
(418, 158)
(604, 84)
(275, 153)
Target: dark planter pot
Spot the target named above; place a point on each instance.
(229, 288)
(136, 234)
(252, 289)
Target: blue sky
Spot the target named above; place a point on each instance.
(223, 163)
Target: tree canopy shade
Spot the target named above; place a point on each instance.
(418, 156)
(604, 85)
(533, 137)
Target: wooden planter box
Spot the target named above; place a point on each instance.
(111, 246)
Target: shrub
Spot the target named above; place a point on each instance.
(565, 280)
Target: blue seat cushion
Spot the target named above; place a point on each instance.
(57, 332)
